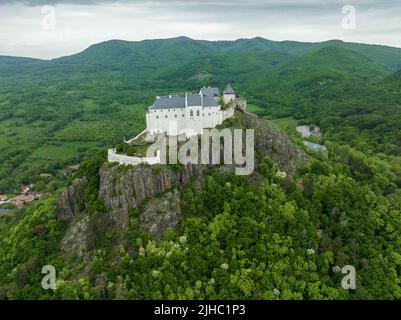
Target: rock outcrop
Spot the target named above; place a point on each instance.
(125, 188)
(273, 142)
(71, 201)
(75, 239)
(161, 213)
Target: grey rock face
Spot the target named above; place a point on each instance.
(273, 142)
(127, 188)
(71, 201)
(75, 239)
(161, 213)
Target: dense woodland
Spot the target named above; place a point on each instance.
(274, 239)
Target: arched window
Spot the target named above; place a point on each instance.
(191, 113)
(198, 113)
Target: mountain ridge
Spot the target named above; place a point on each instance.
(385, 54)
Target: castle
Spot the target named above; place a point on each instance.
(190, 114)
(187, 116)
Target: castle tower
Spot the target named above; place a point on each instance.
(229, 94)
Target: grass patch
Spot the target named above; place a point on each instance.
(253, 108)
(65, 151)
(288, 124)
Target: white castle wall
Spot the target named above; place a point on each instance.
(191, 120)
(229, 113)
(127, 160)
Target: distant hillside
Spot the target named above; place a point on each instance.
(11, 65)
(393, 81)
(182, 48)
(323, 72)
(332, 60)
(386, 56)
(139, 61)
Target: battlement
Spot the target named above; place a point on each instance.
(113, 157)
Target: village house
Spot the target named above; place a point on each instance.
(3, 199)
(25, 189)
(37, 195)
(20, 201)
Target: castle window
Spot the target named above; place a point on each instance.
(198, 113)
(183, 115)
(166, 116)
(175, 116)
(191, 113)
(157, 117)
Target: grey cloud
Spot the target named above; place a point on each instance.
(265, 3)
(98, 20)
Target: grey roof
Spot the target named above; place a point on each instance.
(190, 100)
(167, 102)
(194, 100)
(210, 102)
(210, 92)
(316, 147)
(229, 90)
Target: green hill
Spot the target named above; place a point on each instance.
(386, 56)
(393, 81)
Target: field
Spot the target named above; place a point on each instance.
(253, 108)
(288, 124)
(51, 133)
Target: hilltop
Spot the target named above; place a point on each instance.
(192, 232)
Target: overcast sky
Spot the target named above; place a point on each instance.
(54, 28)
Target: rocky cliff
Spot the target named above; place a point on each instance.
(71, 200)
(126, 188)
(273, 142)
